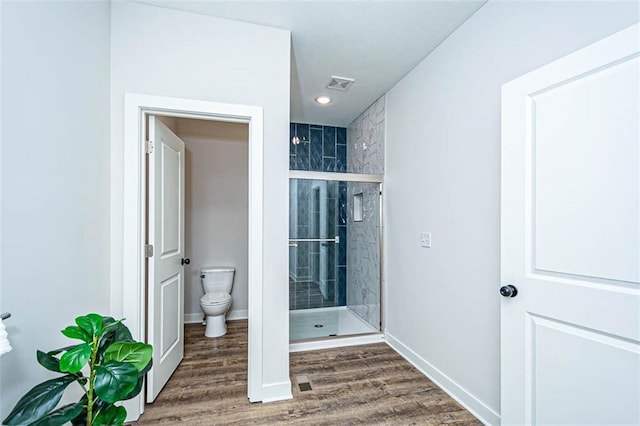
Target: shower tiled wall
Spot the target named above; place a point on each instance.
(365, 155)
(322, 148)
(363, 255)
(322, 267)
(366, 141)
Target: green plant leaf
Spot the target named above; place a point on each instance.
(74, 332)
(113, 331)
(36, 403)
(136, 353)
(111, 415)
(121, 333)
(91, 323)
(147, 367)
(74, 359)
(81, 418)
(57, 351)
(60, 416)
(49, 362)
(114, 380)
(136, 390)
(109, 322)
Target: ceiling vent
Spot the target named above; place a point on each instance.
(340, 83)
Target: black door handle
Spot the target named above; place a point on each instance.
(508, 290)
(185, 261)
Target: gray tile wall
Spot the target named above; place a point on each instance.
(365, 136)
(363, 253)
(365, 154)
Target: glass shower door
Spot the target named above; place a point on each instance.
(313, 240)
(334, 258)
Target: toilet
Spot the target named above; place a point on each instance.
(217, 283)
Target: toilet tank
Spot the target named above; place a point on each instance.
(218, 279)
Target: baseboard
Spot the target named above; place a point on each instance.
(193, 318)
(277, 392)
(485, 414)
(238, 314)
(197, 317)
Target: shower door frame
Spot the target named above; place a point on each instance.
(351, 177)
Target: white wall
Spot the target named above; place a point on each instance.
(55, 179)
(217, 179)
(443, 176)
(163, 52)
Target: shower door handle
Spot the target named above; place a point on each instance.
(336, 240)
(293, 244)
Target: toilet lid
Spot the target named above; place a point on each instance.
(215, 298)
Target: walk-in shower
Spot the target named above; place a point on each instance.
(335, 232)
(334, 255)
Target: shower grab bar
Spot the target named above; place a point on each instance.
(294, 242)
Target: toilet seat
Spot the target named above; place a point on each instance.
(211, 299)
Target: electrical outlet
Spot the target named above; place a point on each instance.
(425, 239)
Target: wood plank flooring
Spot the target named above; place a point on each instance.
(368, 384)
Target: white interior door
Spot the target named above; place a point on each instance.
(571, 238)
(166, 273)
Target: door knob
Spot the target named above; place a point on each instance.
(185, 261)
(508, 290)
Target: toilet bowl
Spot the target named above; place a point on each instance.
(217, 283)
(215, 307)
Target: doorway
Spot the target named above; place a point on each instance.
(197, 216)
(137, 108)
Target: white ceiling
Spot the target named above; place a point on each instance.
(374, 42)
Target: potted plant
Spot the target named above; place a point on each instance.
(115, 366)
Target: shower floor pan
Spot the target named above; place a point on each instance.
(326, 322)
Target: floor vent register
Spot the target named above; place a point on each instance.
(304, 384)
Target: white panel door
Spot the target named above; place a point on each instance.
(166, 273)
(570, 341)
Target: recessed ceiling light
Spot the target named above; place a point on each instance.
(323, 100)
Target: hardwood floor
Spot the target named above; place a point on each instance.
(368, 384)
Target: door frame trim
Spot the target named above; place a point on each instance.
(136, 107)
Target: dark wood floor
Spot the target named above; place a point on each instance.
(368, 384)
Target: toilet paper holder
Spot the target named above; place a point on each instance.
(5, 315)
